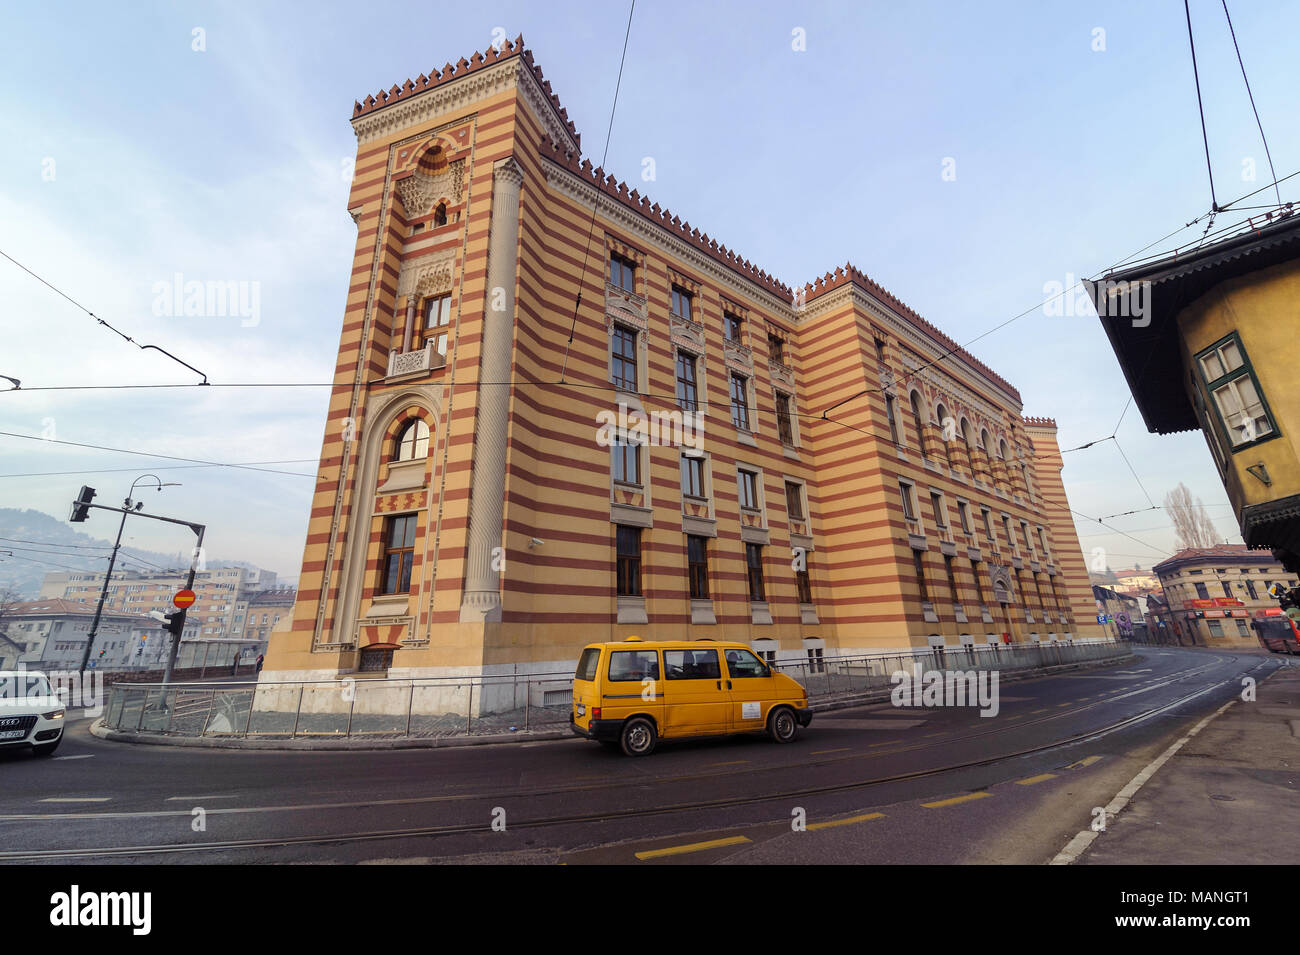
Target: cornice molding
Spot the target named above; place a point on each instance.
(920, 342)
(722, 278)
(461, 94)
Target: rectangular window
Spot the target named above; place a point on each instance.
(740, 401)
(1024, 530)
(693, 477)
(1216, 628)
(988, 525)
(889, 414)
(624, 358)
(880, 349)
(794, 500)
(697, 566)
(682, 300)
(437, 316)
(919, 563)
(1202, 592)
(731, 327)
(687, 393)
(940, 510)
(1230, 380)
(622, 273)
(627, 461)
(747, 482)
(803, 584)
(979, 584)
(1042, 539)
(754, 567)
(952, 580)
(783, 425)
(963, 513)
(906, 492)
(399, 554)
(633, 666)
(1227, 590)
(629, 561)
(1011, 537)
(776, 349)
(1250, 589)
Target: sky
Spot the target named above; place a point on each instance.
(966, 156)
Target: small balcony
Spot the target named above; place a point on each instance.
(418, 362)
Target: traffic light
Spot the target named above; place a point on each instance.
(175, 623)
(81, 506)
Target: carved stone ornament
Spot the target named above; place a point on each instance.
(738, 357)
(420, 190)
(427, 275)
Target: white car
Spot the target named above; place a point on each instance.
(31, 714)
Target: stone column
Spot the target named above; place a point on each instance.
(482, 598)
(410, 321)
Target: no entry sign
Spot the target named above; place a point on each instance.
(183, 599)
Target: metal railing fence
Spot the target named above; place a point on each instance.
(439, 707)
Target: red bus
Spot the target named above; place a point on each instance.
(1277, 632)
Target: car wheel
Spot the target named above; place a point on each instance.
(48, 748)
(781, 724)
(639, 737)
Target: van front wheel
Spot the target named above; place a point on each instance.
(639, 737)
(781, 724)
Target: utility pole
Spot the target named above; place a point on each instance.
(81, 508)
(198, 529)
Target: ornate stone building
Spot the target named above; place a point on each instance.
(548, 428)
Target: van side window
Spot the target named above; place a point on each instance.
(742, 663)
(588, 663)
(692, 665)
(633, 665)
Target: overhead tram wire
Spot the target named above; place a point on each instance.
(1251, 95)
(122, 335)
(149, 454)
(591, 228)
(1214, 203)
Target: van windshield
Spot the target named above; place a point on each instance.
(588, 664)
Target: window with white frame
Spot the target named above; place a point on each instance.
(1230, 381)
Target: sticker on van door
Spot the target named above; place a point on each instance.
(751, 711)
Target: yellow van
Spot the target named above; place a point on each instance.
(632, 694)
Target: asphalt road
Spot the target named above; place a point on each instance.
(876, 784)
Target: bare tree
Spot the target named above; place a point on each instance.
(1191, 523)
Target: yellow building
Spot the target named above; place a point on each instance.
(1208, 339)
(1214, 593)
(549, 429)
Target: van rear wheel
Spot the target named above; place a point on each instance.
(781, 724)
(639, 737)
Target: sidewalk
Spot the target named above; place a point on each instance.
(1227, 797)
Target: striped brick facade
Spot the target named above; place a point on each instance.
(470, 183)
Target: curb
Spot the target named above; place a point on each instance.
(338, 744)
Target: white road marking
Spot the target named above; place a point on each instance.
(1085, 838)
(86, 756)
(195, 798)
(80, 799)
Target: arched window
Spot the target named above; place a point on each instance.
(440, 215)
(942, 414)
(984, 447)
(918, 422)
(967, 440)
(413, 443)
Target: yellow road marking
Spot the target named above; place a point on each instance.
(845, 822)
(1043, 777)
(928, 735)
(1086, 761)
(734, 762)
(80, 799)
(1062, 704)
(1043, 710)
(692, 847)
(953, 801)
(821, 752)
